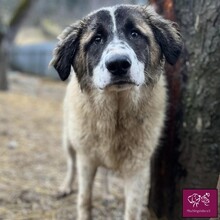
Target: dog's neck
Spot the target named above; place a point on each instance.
(120, 101)
(132, 100)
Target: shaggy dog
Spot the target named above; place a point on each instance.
(115, 103)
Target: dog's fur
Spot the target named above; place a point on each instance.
(115, 121)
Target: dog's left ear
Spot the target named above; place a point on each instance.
(166, 34)
(63, 54)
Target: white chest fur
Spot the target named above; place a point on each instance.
(115, 128)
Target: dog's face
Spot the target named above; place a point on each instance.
(117, 47)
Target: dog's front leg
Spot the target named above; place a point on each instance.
(86, 172)
(136, 184)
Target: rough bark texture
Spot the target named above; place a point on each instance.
(200, 132)
(190, 155)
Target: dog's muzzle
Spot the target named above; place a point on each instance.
(118, 65)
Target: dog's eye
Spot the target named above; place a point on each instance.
(98, 39)
(134, 34)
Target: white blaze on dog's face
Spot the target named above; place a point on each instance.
(119, 65)
(117, 47)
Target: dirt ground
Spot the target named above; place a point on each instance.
(32, 162)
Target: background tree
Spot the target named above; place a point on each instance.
(3, 78)
(190, 157)
(7, 36)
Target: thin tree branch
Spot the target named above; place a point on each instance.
(18, 17)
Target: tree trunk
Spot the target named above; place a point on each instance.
(3, 75)
(190, 157)
(3, 68)
(200, 131)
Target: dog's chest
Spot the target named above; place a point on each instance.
(113, 132)
(120, 140)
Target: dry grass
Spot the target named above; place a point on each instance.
(32, 164)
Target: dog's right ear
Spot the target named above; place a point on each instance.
(63, 54)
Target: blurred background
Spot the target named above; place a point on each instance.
(32, 162)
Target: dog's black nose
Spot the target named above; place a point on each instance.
(118, 64)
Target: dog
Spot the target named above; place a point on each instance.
(115, 103)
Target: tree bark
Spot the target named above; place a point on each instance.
(199, 134)
(190, 155)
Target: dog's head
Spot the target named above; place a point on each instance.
(117, 47)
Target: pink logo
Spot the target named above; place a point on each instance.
(200, 203)
(195, 199)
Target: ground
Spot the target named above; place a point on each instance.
(32, 162)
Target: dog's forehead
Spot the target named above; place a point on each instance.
(111, 17)
(101, 16)
(123, 12)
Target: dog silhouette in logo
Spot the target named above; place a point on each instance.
(195, 199)
(205, 200)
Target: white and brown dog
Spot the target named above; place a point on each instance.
(115, 103)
